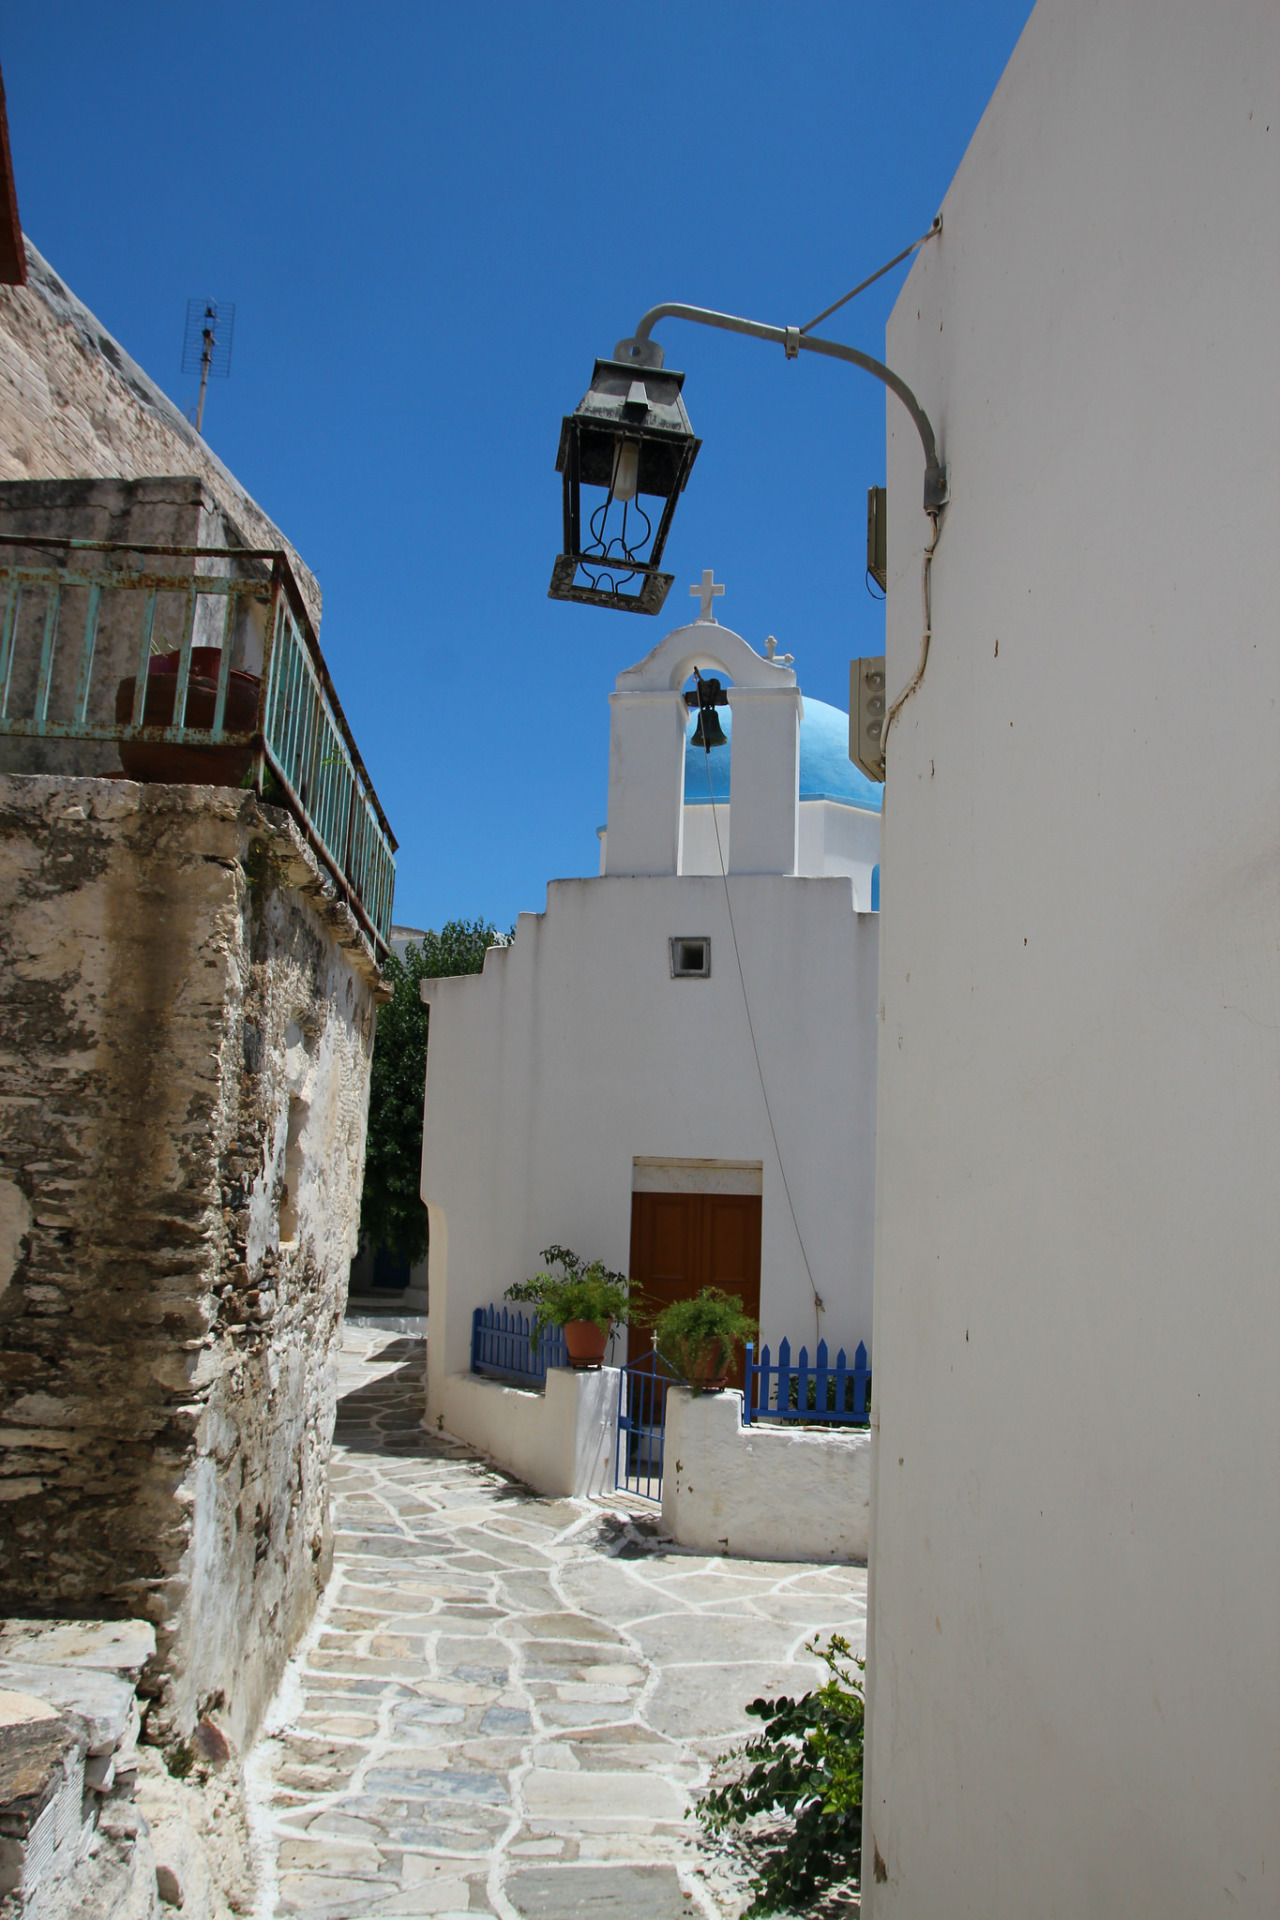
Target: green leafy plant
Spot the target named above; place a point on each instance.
(270, 789)
(582, 1290)
(830, 1403)
(797, 1808)
(391, 1211)
(698, 1336)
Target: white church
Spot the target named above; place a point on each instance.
(672, 1068)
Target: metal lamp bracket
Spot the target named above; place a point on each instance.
(640, 350)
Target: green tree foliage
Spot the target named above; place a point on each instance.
(798, 1806)
(391, 1211)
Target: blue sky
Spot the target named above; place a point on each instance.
(432, 218)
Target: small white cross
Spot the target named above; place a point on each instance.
(771, 653)
(707, 592)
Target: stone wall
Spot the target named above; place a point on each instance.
(186, 1023)
(73, 403)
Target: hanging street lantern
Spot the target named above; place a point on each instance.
(629, 439)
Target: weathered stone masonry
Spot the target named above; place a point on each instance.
(186, 1023)
(74, 404)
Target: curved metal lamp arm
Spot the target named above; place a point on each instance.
(795, 342)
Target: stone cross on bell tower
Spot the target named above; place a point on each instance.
(707, 592)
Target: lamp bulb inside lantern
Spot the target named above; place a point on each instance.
(626, 469)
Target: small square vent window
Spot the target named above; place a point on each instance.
(690, 958)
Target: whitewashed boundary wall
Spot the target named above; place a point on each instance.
(558, 1442)
(762, 1492)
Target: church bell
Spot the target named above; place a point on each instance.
(707, 696)
(709, 732)
(630, 445)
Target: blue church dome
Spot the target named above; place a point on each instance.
(826, 771)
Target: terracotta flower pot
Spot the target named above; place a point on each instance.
(173, 761)
(585, 1342)
(711, 1372)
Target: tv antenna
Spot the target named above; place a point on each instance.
(206, 345)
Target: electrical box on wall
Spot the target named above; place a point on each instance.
(866, 715)
(877, 537)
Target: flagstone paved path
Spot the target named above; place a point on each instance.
(506, 1701)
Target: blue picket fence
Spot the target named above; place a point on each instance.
(793, 1390)
(502, 1345)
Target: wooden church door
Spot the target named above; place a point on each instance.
(683, 1241)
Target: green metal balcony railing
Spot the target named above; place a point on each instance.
(78, 675)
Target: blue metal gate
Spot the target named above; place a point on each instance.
(642, 1415)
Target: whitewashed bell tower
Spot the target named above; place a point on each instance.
(647, 737)
(670, 1041)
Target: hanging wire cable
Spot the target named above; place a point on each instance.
(818, 1308)
(879, 274)
(926, 592)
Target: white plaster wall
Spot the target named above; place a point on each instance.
(574, 1052)
(834, 839)
(839, 839)
(699, 853)
(711, 648)
(1075, 1565)
(764, 778)
(762, 1493)
(558, 1442)
(646, 782)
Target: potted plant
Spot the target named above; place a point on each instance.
(584, 1298)
(176, 760)
(699, 1335)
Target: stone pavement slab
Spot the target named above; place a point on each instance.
(602, 1893)
(506, 1703)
